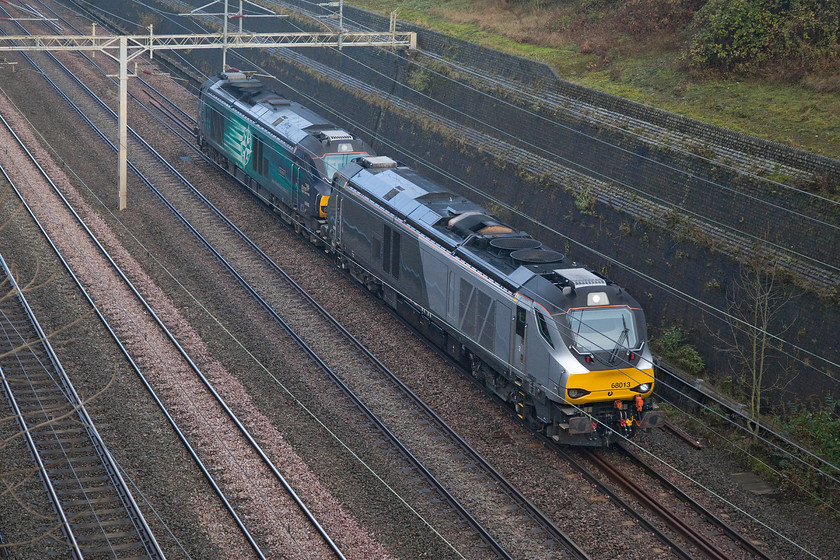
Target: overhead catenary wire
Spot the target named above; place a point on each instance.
(343, 116)
(297, 401)
(628, 365)
(496, 200)
(517, 87)
(718, 313)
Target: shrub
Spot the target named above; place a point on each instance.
(817, 427)
(742, 35)
(673, 346)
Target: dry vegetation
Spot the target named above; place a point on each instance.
(780, 82)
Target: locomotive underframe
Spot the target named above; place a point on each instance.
(313, 229)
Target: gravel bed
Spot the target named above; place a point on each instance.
(193, 410)
(170, 480)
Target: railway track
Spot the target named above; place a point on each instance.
(698, 538)
(348, 355)
(96, 512)
(485, 536)
(685, 538)
(235, 500)
(356, 357)
(248, 264)
(182, 127)
(421, 422)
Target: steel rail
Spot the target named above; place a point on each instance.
(224, 499)
(111, 466)
(463, 512)
(696, 506)
(108, 461)
(673, 521)
(563, 453)
(51, 491)
(508, 487)
(527, 505)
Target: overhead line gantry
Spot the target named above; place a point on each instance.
(124, 48)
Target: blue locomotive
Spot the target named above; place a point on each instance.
(282, 151)
(565, 346)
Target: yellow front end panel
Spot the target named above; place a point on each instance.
(609, 385)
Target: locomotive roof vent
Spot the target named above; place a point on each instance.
(580, 277)
(467, 223)
(233, 76)
(249, 86)
(334, 135)
(536, 256)
(377, 162)
(504, 246)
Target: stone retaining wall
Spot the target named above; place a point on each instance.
(677, 271)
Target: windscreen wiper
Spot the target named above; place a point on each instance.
(620, 342)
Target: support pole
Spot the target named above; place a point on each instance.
(340, 23)
(225, 39)
(106, 44)
(123, 125)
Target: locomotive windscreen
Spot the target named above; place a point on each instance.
(603, 329)
(334, 162)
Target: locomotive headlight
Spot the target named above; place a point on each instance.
(322, 206)
(597, 298)
(643, 388)
(577, 393)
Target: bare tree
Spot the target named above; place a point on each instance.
(754, 303)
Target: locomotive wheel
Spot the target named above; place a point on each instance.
(533, 422)
(477, 369)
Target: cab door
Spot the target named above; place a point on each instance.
(296, 180)
(521, 331)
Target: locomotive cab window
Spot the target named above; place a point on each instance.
(334, 162)
(603, 330)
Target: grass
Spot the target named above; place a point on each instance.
(607, 51)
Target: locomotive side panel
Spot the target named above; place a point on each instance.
(482, 317)
(253, 153)
(361, 239)
(436, 274)
(540, 348)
